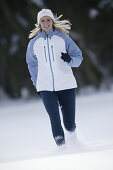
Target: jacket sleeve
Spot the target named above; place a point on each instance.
(74, 52)
(32, 63)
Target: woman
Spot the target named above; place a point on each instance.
(50, 56)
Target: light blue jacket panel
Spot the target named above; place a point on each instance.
(73, 51)
(32, 60)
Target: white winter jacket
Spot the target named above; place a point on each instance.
(48, 71)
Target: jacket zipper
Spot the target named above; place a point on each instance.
(45, 53)
(50, 63)
(52, 52)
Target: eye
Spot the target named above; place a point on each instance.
(48, 20)
(42, 20)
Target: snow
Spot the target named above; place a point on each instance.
(24, 93)
(26, 140)
(96, 160)
(39, 3)
(93, 13)
(104, 3)
(14, 44)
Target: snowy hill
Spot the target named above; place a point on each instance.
(26, 141)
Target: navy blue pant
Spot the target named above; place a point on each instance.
(66, 100)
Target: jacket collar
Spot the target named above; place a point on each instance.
(44, 35)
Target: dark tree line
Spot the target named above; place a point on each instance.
(93, 36)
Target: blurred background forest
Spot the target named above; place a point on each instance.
(92, 30)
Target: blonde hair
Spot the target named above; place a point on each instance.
(63, 26)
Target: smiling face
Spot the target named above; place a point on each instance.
(46, 23)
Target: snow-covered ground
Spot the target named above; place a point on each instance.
(26, 140)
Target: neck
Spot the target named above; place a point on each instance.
(47, 32)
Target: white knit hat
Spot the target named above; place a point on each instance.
(44, 12)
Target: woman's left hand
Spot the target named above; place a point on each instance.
(65, 57)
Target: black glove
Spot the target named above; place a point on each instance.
(65, 57)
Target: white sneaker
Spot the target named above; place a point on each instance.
(59, 140)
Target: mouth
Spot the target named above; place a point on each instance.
(46, 26)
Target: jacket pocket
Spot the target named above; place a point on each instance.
(45, 53)
(52, 52)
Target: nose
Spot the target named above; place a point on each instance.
(46, 23)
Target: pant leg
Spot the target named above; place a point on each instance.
(50, 101)
(67, 103)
